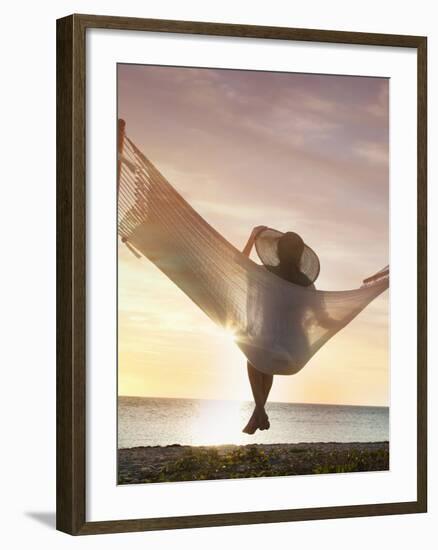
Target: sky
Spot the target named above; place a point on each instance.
(296, 152)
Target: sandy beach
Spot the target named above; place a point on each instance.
(186, 463)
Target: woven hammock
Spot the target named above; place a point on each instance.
(278, 325)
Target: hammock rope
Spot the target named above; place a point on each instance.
(279, 326)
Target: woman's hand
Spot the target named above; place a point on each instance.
(252, 238)
(258, 229)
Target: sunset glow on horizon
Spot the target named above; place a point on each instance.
(298, 152)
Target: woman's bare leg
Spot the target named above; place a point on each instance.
(260, 411)
(260, 385)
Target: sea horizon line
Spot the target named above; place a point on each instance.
(249, 401)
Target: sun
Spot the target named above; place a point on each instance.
(229, 334)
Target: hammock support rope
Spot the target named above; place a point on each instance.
(279, 326)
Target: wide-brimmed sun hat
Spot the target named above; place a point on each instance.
(266, 244)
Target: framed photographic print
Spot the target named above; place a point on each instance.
(241, 287)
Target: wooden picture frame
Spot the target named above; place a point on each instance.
(71, 273)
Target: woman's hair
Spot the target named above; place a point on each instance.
(290, 249)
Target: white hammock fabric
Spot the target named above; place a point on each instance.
(279, 326)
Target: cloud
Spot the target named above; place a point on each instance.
(374, 153)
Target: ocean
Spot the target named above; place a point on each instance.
(145, 421)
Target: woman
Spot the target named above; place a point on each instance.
(288, 249)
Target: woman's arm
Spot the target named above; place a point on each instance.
(248, 247)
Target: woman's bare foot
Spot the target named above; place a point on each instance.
(252, 425)
(259, 420)
(263, 420)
